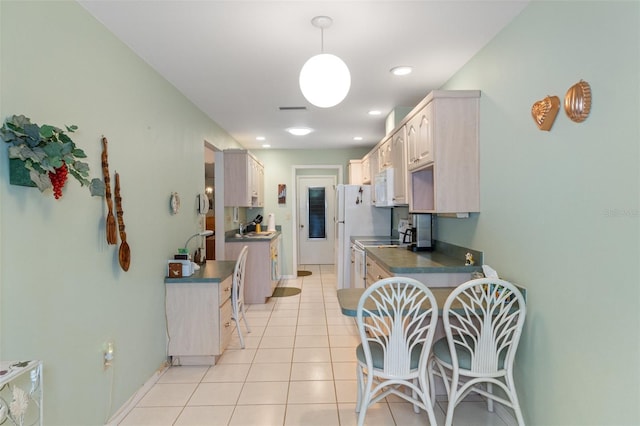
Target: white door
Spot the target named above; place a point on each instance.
(316, 233)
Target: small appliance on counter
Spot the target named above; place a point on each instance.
(421, 225)
(404, 231)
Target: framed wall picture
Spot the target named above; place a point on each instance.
(282, 193)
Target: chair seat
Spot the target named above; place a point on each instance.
(377, 355)
(441, 351)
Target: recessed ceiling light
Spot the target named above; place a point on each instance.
(357, 138)
(375, 112)
(401, 70)
(266, 145)
(299, 131)
(260, 138)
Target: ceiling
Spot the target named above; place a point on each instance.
(239, 61)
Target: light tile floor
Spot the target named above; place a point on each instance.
(298, 368)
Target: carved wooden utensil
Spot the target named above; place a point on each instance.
(112, 235)
(124, 254)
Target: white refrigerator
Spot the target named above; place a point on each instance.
(356, 216)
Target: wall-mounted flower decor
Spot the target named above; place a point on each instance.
(44, 155)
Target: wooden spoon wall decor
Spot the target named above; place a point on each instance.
(124, 254)
(112, 236)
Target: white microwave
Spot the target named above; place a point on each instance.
(383, 186)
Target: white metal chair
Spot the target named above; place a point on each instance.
(237, 293)
(483, 321)
(396, 319)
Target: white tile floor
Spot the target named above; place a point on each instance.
(298, 368)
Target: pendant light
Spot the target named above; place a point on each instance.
(324, 79)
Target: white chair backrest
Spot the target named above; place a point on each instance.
(483, 318)
(237, 295)
(397, 315)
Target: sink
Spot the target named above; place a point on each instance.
(259, 234)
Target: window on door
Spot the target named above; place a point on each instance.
(317, 213)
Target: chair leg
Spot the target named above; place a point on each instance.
(359, 384)
(513, 396)
(453, 394)
(236, 318)
(414, 395)
(365, 399)
(489, 400)
(244, 318)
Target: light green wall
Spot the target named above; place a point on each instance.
(62, 293)
(560, 209)
(278, 168)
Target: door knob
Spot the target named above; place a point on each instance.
(301, 226)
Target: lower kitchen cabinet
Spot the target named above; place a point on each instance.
(375, 272)
(261, 271)
(199, 321)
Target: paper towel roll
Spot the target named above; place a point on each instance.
(271, 222)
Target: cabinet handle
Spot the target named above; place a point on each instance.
(379, 277)
(227, 289)
(227, 324)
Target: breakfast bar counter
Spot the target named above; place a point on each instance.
(402, 261)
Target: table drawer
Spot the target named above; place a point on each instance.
(226, 325)
(224, 290)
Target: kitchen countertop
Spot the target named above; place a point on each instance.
(213, 271)
(230, 237)
(399, 260)
(447, 258)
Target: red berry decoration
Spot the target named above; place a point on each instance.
(58, 179)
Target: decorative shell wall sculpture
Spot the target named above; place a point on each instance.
(577, 101)
(544, 112)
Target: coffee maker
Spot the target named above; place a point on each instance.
(421, 225)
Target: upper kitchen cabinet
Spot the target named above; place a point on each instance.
(355, 172)
(384, 155)
(243, 179)
(442, 141)
(419, 131)
(399, 163)
(366, 169)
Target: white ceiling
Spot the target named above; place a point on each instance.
(239, 61)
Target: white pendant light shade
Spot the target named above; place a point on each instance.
(325, 80)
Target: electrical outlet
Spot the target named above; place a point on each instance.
(108, 354)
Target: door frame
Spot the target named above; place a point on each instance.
(294, 180)
(218, 208)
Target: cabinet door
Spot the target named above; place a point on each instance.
(237, 179)
(355, 172)
(366, 170)
(192, 319)
(420, 138)
(399, 164)
(384, 155)
(375, 272)
(425, 135)
(257, 183)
